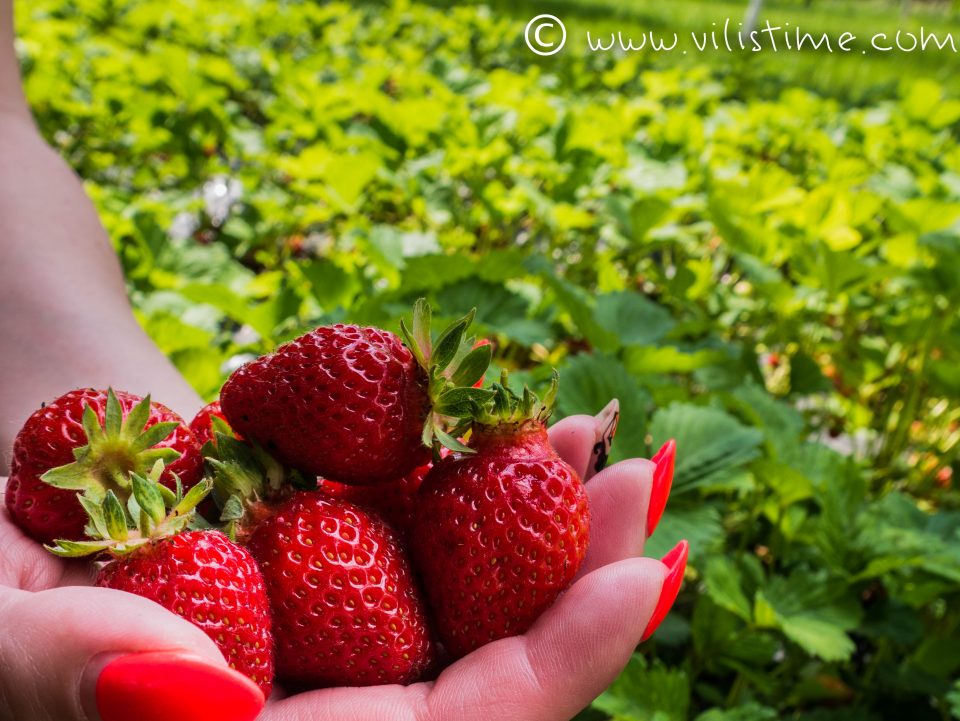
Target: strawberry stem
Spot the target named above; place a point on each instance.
(452, 365)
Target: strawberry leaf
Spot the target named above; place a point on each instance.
(473, 366)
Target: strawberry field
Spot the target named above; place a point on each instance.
(768, 274)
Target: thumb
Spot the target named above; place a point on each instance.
(95, 654)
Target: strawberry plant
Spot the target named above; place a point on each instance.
(766, 273)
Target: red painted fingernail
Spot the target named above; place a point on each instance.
(676, 563)
(662, 482)
(165, 685)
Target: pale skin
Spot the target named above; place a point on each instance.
(54, 250)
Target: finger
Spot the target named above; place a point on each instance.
(570, 655)
(24, 564)
(619, 497)
(573, 438)
(97, 649)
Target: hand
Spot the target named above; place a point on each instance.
(550, 673)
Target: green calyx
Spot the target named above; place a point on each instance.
(122, 445)
(151, 512)
(452, 365)
(244, 478)
(508, 408)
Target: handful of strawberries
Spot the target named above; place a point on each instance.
(355, 510)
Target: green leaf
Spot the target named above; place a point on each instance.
(432, 272)
(580, 306)
(748, 712)
(95, 514)
(148, 498)
(113, 415)
(473, 366)
(152, 455)
(700, 525)
(498, 308)
(91, 425)
(450, 442)
(449, 342)
(330, 284)
(953, 699)
(592, 381)
(75, 549)
(232, 509)
(725, 586)
(193, 498)
(136, 419)
(813, 613)
(668, 359)
(645, 693)
(422, 340)
(114, 517)
(153, 435)
(462, 402)
(71, 477)
(633, 319)
(780, 422)
(710, 443)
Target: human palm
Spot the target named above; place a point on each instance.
(570, 655)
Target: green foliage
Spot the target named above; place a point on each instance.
(765, 274)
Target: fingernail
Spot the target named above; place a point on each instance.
(662, 482)
(606, 429)
(676, 563)
(164, 685)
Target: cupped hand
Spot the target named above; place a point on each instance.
(65, 633)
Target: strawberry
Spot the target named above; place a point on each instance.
(202, 425)
(353, 404)
(212, 582)
(199, 575)
(394, 501)
(501, 530)
(346, 610)
(87, 440)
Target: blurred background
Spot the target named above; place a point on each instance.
(757, 253)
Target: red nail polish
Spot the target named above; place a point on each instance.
(676, 563)
(165, 685)
(662, 482)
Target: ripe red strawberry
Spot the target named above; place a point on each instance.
(202, 424)
(354, 404)
(394, 501)
(200, 575)
(500, 532)
(57, 438)
(346, 611)
(212, 582)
